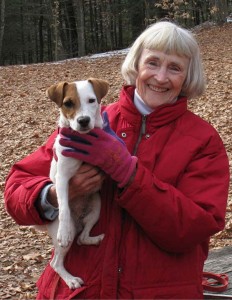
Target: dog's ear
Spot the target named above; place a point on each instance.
(56, 92)
(100, 87)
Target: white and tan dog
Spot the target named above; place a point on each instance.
(79, 104)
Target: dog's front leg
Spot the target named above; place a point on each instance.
(66, 168)
(66, 232)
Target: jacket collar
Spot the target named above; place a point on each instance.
(161, 116)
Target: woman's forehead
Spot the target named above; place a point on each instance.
(161, 55)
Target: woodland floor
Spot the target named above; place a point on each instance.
(28, 118)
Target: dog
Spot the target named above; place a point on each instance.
(79, 105)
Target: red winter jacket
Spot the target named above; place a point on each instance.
(157, 230)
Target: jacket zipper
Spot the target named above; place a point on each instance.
(141, 133)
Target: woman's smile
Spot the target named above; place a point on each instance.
(157, 89)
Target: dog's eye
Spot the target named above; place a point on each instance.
(92, 100)
(68, 103)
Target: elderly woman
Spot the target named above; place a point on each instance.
(164, 191)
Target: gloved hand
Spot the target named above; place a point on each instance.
(101, 149)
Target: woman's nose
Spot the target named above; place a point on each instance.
(161, 75)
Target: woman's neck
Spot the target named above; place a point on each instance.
(142, 107)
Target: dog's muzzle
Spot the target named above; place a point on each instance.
(84, 121)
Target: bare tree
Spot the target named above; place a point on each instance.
(80, 27)
(2, 25)
(55, 25)
(219, 10)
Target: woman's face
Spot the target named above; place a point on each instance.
(160, 77)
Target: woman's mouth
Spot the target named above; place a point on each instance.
(157, 89)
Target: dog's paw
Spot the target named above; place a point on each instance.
(74, 282)
(90, 240)
(64, 238)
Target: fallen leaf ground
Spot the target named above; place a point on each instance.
(28, 118)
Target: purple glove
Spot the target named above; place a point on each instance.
(100, 149)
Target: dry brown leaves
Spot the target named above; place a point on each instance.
(28, 118)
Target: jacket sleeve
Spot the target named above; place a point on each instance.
(178, 218)
(25, 182)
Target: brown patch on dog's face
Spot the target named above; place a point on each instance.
(71, 101)
(65, 95)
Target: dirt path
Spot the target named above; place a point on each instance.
(28, 118)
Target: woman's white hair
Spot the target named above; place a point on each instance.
(171, 39)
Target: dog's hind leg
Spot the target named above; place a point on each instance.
(89, 221)
(57, 262)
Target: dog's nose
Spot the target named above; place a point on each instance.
(84, 121)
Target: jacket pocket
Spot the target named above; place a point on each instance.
(50, 284)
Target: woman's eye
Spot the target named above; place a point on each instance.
(174, 68)
(68, 104)
(92, 100)
(153, 63)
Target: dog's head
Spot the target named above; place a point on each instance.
(79, 103)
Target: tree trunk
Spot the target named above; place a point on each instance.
(80, 28)
(2, 26)
(41, 41)
(120, 25)
(71, 27)
(23, 40)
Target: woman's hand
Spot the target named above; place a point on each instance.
(87, 180)
(101, 148)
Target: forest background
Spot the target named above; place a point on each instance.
(50, 30)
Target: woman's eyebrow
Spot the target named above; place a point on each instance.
(152, 57)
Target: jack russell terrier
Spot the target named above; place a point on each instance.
(79, 105)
